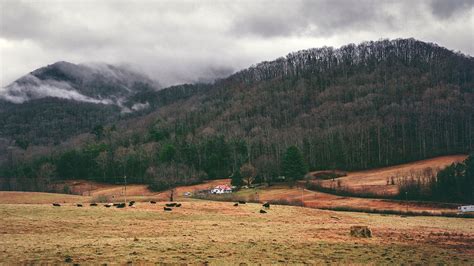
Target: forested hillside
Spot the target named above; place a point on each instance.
(356, 107)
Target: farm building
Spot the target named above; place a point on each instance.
(221, 189)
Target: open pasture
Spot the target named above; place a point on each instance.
(217, 232)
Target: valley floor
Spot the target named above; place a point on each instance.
(217, 233)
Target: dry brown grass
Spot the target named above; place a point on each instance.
(375, 180)
(114, 193)
(315, 199)
(18, 197)
(219, 233)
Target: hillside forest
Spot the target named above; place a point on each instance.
(357, 107)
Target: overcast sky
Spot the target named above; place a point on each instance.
(184, 41)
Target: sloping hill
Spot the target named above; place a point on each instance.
(378, 181)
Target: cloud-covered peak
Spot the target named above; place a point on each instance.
(92, 82)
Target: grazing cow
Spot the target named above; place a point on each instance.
(178, 205)
(241, 202)
(262, 211)
(266, 205)
(121, 205)
(108, 205)
(79, 205)
(93, 204)
(170, 204)
(167, 209)
(153, 202)
(116, 204)
(131, 203)
(56, 205)
(236, 204)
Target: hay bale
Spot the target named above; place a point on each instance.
(361, 231)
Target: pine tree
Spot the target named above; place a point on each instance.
(293, 164)
(236, 179)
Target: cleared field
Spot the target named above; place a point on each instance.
(113, 193)
(18, 197)
(375, 180)
(219, 233)
(315, 199)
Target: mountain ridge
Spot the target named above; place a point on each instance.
(404, 100)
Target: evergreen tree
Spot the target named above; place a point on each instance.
(168, 153)
(293, 164)
(236, 179)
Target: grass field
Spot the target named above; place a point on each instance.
(314, 199)
(375, 180)
(219, 233)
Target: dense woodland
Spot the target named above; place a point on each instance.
(360, 106)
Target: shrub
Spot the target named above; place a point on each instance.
(100, 199)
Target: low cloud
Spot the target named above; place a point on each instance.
(140, 106)
(30, 88)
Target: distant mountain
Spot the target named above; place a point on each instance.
(64, 99)
(93, 83)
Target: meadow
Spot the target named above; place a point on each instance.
(218, 232)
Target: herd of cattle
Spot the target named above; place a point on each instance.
(167, 207)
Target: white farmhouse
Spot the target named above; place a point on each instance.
(221, 189)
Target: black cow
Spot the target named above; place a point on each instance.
(262, 211)
(79, 205)
(236, 204)
(170, 204)
(56, 205)
(241, 202)
(93, 204)
(121, 205)
(178, 205)
(266, 205)
(152, 202)
(167, 209)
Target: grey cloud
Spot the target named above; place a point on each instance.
(305, 17)
(187, 41)
(445, 9)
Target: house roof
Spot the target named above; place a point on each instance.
(223, 187)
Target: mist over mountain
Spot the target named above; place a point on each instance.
(60, 100)
(92, 83)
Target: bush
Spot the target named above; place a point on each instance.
(100, 199)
